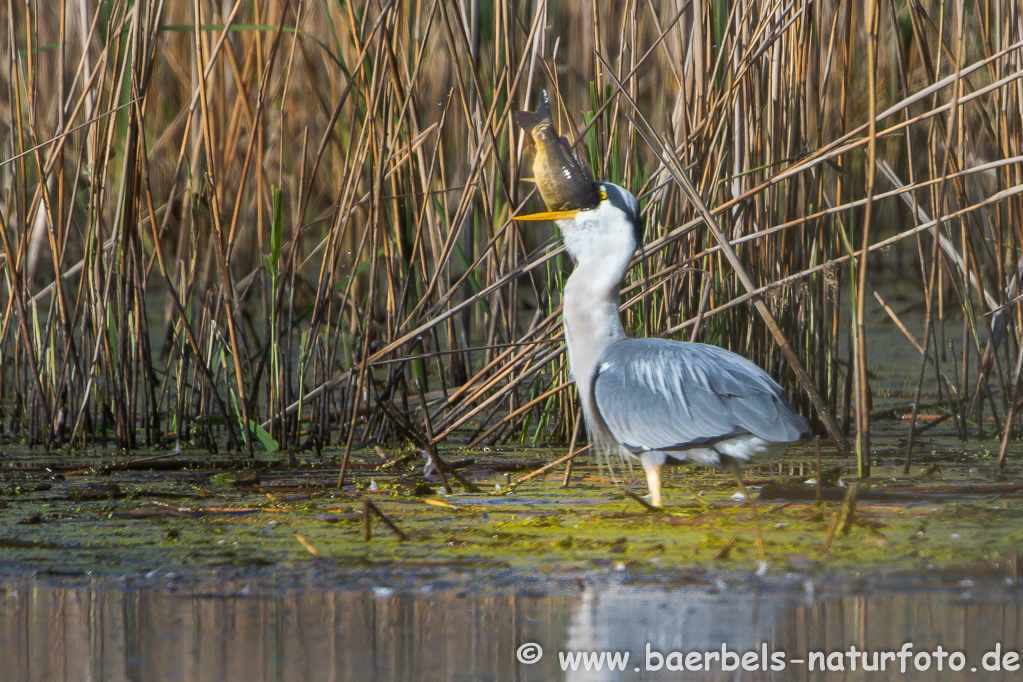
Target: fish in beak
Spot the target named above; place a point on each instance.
(565, 183)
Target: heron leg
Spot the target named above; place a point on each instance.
(652, 465)
(737, 473)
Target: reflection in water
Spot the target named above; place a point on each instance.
(627, 618)
(101, 631)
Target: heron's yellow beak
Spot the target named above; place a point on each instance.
(548, 215)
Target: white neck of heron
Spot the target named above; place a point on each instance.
(602, 253)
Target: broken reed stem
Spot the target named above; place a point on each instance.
(726, 549)
(817, 466)
(439, 464)
(443, 466)
(849, 508)
(571, 450)
(643, 503)
(404, 457)
(547, 467)
(843, 517)
(368, 507)
(832, 529)
(567, 480)
(431, 450)
(308, 545)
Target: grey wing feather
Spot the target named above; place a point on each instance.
(656, 394)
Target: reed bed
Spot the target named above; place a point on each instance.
(276, 225)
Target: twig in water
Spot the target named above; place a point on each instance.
(547, 467)
(832, 529)
(846, 513)
(849, 508)
(817, 493)
(723, 553)
(308, 545)
(571, 450)
(649, 507)
(400, 459)
(368, 506)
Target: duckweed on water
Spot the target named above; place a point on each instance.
(209, 514)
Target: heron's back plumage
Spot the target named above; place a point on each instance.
(690, 400)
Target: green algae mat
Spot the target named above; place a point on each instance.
(954, 511)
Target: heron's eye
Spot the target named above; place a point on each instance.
(603, 194)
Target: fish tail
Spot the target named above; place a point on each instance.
(544, 110)
(527, 120)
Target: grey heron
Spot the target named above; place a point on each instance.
(651, 399)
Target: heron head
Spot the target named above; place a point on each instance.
(614, 223)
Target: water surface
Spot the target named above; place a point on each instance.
(168, 628)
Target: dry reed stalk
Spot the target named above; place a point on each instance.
(142, 146)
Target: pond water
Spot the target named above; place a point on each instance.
(169, 628)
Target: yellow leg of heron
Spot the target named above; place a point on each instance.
(737, 473)
(653, 482)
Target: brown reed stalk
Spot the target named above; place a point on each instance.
(141, 146)
(863, 399)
